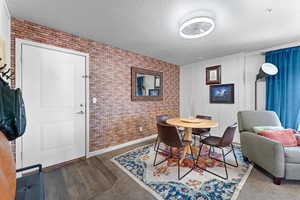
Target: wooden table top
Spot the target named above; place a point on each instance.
(201, 123)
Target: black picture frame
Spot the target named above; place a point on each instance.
(221, 94)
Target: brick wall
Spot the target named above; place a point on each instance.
(115, 118)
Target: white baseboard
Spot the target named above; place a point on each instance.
(119, 146)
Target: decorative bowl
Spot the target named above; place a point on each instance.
(186, 120)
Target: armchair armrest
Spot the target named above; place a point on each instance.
(39, 166)
(268, 154)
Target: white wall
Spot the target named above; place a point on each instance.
(239, 69)
(5, 28)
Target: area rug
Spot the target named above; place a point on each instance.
(161, 181)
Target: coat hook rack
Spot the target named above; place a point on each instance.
(10, 77)
(4, 73)
(3, 67)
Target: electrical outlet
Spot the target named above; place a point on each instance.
(141, 129)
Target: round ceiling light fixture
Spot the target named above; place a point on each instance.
(197, 27)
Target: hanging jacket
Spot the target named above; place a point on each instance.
(12, 111)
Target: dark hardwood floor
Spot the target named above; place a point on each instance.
(97, 178)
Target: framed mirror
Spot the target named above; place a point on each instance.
(146, 85)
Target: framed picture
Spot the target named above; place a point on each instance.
(221, 93)
(213, 75)
(154, 92)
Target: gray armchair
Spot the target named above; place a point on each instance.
(281, 162)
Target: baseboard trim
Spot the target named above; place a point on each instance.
(119, 146)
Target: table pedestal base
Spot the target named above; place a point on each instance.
(187, 137)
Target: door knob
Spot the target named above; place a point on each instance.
(80, 113)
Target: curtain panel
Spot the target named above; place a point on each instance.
(283, 89)
(140, 85)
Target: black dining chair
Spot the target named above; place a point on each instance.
(201, 132)
(160, 119)
(169, 136)
(220, 142)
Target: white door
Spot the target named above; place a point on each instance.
(53, 86)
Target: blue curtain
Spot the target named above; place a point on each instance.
(139, 83)
(283, 89)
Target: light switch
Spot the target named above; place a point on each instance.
(94, 100)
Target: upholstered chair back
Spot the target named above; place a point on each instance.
(169, 135)
(248, 119)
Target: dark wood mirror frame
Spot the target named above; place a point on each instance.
(134, 72)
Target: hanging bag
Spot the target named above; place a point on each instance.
(12, 111)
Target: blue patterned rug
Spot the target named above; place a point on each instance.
(161, 181)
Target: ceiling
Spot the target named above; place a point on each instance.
(151, 27)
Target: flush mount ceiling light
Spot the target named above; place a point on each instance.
(197, 24)
(197, 27)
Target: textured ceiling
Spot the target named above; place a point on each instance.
(151, 27)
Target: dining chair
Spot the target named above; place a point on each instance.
(169, 136)
(160, 119)
(201, 131)
(221, 143)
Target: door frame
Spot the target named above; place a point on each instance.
(18, 84)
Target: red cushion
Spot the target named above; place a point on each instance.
(286, 136)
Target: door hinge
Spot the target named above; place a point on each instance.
(85, 76)
(21, 59)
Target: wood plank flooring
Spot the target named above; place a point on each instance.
(97, 178)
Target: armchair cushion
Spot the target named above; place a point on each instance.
(292, 154)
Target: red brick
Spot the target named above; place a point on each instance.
(115, 118)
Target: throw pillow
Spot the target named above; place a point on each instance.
(286, 136)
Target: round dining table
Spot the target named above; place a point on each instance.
(188, 125)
